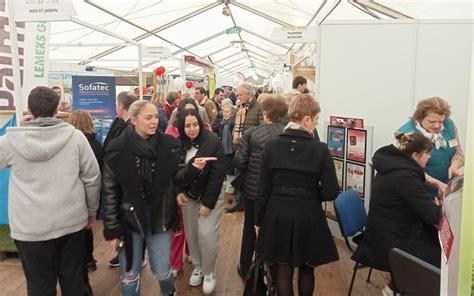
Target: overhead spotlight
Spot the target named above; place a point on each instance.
(226, 11)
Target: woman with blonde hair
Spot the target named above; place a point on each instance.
(432, 119)
(158, 100)
(82, 120)
(297, 175)
(139, 197)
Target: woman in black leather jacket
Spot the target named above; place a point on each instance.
(202, 200)
(139, 198)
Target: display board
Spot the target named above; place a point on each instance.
(350, 149)
(380, 69)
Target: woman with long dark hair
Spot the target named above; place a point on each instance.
(201, 197)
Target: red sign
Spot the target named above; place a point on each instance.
(346, 122)
(446, 235)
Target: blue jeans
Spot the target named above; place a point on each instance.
(159, 247)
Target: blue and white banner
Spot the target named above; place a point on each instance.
(95, 94)
(4, 177)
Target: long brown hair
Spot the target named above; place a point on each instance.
(82, 120)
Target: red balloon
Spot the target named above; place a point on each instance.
(189, 84)
(160, 70)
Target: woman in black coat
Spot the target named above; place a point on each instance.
(297, 174)
(247, 160)
(139, 199)
(398, 205)
(201, 199)
(82, 120)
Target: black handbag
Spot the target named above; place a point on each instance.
(259, 281)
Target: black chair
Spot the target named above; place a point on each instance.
(352, 219)
(413, 276)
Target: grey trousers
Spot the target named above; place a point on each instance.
(202, 234)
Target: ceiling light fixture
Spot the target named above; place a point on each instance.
(226, 11)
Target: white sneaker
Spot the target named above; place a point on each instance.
(209, 284)
(387, 291)
(196, 277)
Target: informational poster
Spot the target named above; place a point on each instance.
(339, 165)
(355, 177)
(336, 140)
(356, 145)
(446, 236)
(95, 94)
(346, 122)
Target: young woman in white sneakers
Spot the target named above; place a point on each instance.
(201, 198)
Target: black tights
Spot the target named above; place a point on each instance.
(284, 279)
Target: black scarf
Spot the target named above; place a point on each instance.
(145, 153)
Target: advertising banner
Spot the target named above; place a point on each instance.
(36, 58)
(7, 83)
(95, 94)
(4, 178)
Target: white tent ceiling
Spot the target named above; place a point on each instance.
(198, 27)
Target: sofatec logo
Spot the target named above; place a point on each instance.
(101, 88)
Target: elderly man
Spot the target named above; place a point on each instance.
(53, 195)
(249, 114)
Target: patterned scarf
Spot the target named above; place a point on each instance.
(227, 138)
(239, 123)
(437, 139)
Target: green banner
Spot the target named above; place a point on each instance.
(466, 252)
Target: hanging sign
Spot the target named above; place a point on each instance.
(160, 52)
(295, 34)
(40, 10)
(233, 30)
(278, 59)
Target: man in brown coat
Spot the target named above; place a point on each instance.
(203, 100)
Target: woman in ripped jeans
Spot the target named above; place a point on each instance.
(139, 199)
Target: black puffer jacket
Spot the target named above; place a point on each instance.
(249, 155)
(205, 187)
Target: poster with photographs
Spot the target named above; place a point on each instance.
(339, 165)
(330, 212)
(355, 177)
(336, 140)
(356, 145)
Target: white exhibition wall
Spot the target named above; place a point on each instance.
(378, 70)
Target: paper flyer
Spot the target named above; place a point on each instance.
(356, 145)
(355, 177)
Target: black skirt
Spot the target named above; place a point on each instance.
(295, 231)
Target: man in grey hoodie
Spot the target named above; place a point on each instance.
(53, 195)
